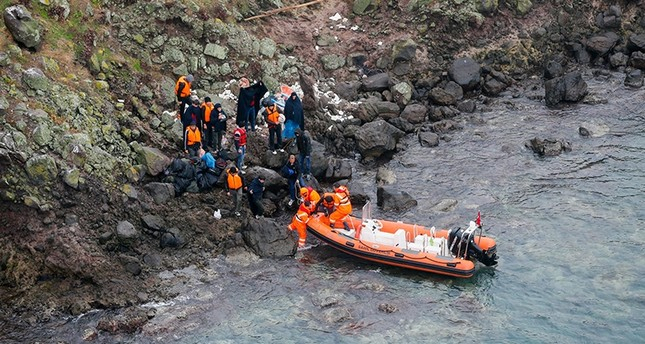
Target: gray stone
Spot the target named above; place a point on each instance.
(72, 177)
(154, 160)
(377, 82)
(414, 113)
(549, 146)
(403, 51)
(22, 26)
(362, 7)
(385, 176)
(160, 192)
(4, 59)
(402, 93)
(466, 72)
(439, 96)
(332, 62)
(637, 60)
(390, 197)
(42, 135)
(153, 222)
(125, 231)
(41, 169)
(568, 88)
(36, 79)
(601, 44)
(267, 238)
(618, 60)
(454, 89)
(4, 105)
(347, 90)
(376, 138)
(215, 50)
(338, 169)
(428, 139)
(636, 42)
(374, 108)
(268, 47)
(634, 78)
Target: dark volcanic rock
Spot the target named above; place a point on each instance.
(268, 239)
(376, 138)
(548, 147)
(568, 88)
(466, 72)
(390, 197)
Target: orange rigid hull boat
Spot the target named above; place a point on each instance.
(447, 252)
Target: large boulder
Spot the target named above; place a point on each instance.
(36, 79)
(152, 158)
(41, 169)
(338, 169)
(160, 192)
(376, 138)
(466, 72)
(273, 180)
(415, 113)
(377, 82)
(347, 90)
(362, 7)
(373, 108)
(568, 88)
(22, 26)
(268, 239)
(602, 44)
(390, 197)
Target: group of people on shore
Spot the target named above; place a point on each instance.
(205, 130)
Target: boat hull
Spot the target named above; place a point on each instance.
(400, 255)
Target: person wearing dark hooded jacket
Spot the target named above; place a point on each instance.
(248, 103)
(293, 110)
(256, 190)
(219, 125)
(303, 142)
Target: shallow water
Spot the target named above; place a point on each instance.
(569, 231)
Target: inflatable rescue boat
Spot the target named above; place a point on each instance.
(448, 252)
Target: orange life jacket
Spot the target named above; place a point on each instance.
(311, 195)
(273, 116)
(185, 92)
(299, 223)
(234, 181)
(193, 136)
(208, 108)
(341, 201)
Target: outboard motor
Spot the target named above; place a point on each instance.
(462, 244)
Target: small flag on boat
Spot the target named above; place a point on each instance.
(478, 222)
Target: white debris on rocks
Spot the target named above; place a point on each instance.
(336, 17)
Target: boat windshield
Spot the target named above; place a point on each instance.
(367, 211)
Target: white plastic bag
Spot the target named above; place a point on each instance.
(217, 214)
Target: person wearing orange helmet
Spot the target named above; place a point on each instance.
(342, 205)
(309, 194)
(299, 222)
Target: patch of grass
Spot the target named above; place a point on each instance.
(136, 65)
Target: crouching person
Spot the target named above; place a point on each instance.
(299, 223)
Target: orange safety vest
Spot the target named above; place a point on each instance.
(185, 92)
(208, 108)
(193, 136)
(313, 197)
(234, 181)
(342, 202)
(273, 116)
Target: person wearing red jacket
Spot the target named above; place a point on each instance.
(239, 136)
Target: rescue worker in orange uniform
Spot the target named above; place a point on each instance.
(342, 205)
(299, 222)
(192, 140)
(182, 91)
(326, 204)
(311, 195)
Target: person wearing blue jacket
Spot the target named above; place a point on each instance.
(256, 190)
(291, 171)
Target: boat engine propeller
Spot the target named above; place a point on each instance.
(462, 244)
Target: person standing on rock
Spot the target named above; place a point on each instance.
(219, 125)
(303, 142)
(193, 140)
(256, 190)
(193, 113)
(293, 110)
(275, 127)
(183, 92)
(234, 184)
(207, 110)
(248, 103)
(290, 171)
(239, 137)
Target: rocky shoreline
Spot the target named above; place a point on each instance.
(85, 137)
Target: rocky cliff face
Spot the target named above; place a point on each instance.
(87, 112)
